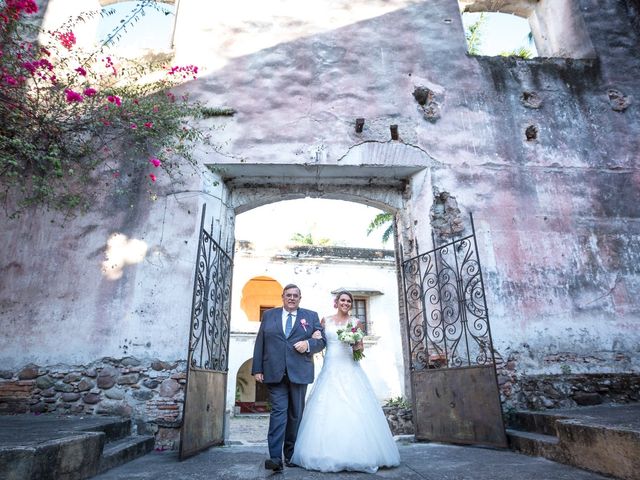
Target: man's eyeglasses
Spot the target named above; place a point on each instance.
(291, 295)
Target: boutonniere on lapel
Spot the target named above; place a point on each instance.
(303, 324)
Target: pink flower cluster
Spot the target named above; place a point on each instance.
(67, 39)
(156, 163)
(108, 63)
(185, 71)
(73, 96)
(33, 66)
(14, 8)
(114, 99)
(30, 61)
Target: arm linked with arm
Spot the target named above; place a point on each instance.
(317, 344)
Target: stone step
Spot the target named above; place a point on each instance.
(113, 430)
(124, 450)
(537, 422)
(604, 440)
(610, 449)
(535, 444)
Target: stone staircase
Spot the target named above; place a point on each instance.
(603, 439)
(124, 448)
(66, 450)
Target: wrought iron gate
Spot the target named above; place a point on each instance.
(208, 357)
(452, 363)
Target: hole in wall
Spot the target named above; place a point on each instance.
(531, 132)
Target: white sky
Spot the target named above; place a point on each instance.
(153, 28)
(345, 223)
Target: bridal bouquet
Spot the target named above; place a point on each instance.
(351, 334)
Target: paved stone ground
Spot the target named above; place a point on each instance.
(248, 430)
(419, 461)
(244, 457)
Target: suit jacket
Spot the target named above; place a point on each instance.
(273, 354)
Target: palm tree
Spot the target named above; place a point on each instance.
(522, 52)
(384, 219)
(307, 239)
(474, 35)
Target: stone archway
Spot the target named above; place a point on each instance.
(392, 176)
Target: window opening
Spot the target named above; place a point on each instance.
(359, 310)
(263, 309)
(494, 34)
(543, 28)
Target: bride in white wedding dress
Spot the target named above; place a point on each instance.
(343, 426)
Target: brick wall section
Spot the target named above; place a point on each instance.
(15, 395)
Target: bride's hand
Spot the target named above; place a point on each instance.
(317, 335)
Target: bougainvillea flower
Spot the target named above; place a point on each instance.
(30, 66)
(81, 71)
(133, 126)
(73, 96)
(67, 39)
(20, 6)
(148, 124)
(114, 99)
(90, 92)
(155, 162)
(152, 177)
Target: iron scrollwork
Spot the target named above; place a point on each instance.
(209, 338)
(448, 322)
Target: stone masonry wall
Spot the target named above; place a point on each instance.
(539, 392)
(400, 419)
(151, 393)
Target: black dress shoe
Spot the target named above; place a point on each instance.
(273, 464)
(290, 464)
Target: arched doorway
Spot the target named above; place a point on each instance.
(259, 294)
(250, 396)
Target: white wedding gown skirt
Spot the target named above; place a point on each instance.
(343, 426)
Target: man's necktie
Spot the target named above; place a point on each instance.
(288, 325)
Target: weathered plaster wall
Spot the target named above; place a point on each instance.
(112, 283)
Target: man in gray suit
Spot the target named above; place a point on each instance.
(283, 360)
